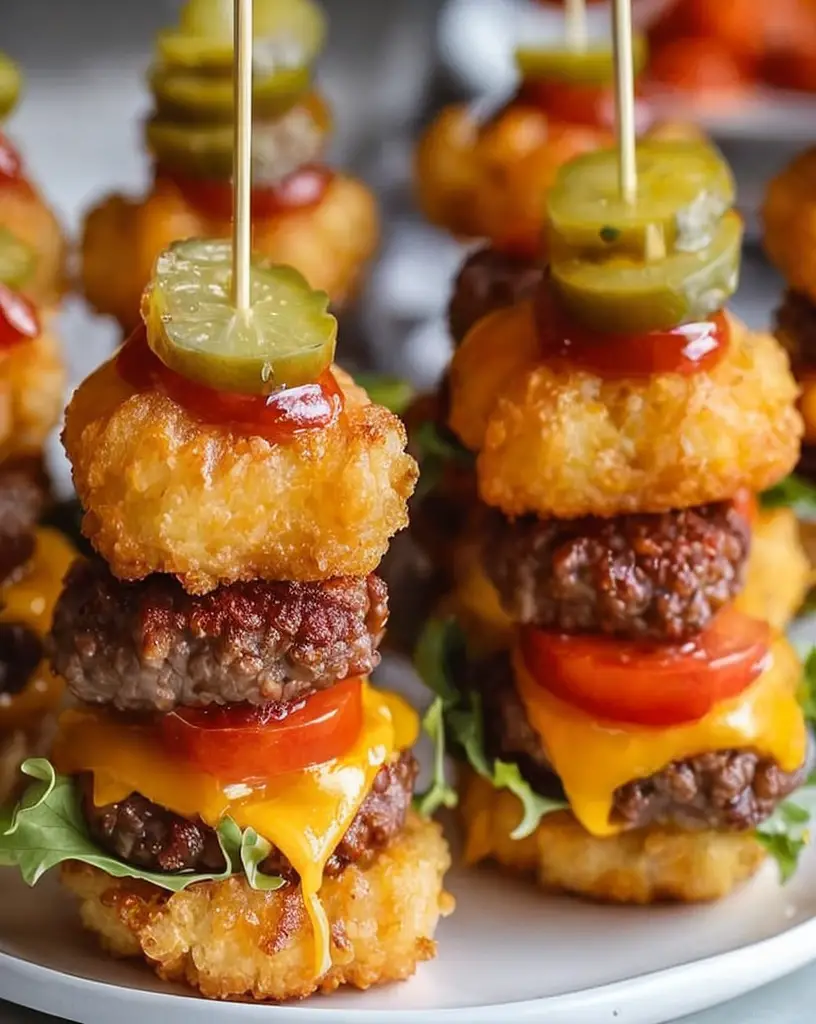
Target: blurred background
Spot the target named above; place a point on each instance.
(745, 69)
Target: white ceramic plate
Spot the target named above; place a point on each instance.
(508, 954)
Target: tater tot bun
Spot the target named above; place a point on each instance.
(32, 380)
(163, 492)
(779, 573)
(329, 243)
(789, 215)
(643, 866)
(24, 214)
(382, 920)
(566, 443)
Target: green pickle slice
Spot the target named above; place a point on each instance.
(684, 188)
(10, 85)
(287, 33)
(187, 96)
(593, 66)
(17, 260)
(287, 338)
(199, 151)
(621, 295)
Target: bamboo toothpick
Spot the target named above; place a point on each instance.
(625, 97)
(576, 24)
(242, 158)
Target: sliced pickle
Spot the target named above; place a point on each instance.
(684, 188)
(625, 296)
(17, 260)
(187, 96)
(10, 84)
(196, 151)
(288, 33)
(592, 66)
(287, 338)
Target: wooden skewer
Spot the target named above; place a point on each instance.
(576, 24)
(242, 158)
(625, 97)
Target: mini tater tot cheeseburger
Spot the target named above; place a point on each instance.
(789, 215)
(33, 559)
(36, 266)
(235, 796)
(304, 213)
(633, 731)
(484, 175)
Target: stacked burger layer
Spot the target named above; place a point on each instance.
(227, 734)
(304, 213)
(637, 719)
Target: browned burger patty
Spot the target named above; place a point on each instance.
(661, 577)
(23, 498)
(489, 280)
(726, 790)
(796, 328)
(151, 646)
(152, 838)
(21, 651)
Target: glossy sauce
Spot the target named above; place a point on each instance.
(588, 105)
(686, 349)
(301, 190)
(278, 417)
(18, 319)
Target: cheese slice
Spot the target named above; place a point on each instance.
(30, 601)
(593, 758)
(303, 814)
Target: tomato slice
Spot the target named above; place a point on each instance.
(685, 349)
(11, 167)
(746, 504)
(278, 417)
(650, 684)
(245, 743)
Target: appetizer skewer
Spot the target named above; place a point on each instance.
(305, 214)
(32, 246)
(634, 728)
(229, 760)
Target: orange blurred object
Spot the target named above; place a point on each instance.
(700, 65)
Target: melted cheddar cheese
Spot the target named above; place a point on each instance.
(593, 758)
(30, 601)
(303, 814)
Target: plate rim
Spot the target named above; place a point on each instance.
(786, 950)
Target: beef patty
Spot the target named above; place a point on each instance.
(726, 790)
(23, 496)
(661, 576)
(150, 645)
(152, 838)
(489, 280)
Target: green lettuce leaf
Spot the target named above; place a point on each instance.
(807, 688)
(787, 832)
(392, 392)
(254, 851)
(459, 716)
(47, 828)
(434, 451)
(793, 492)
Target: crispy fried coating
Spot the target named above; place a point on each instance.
(24, 213)
(643, 866)
(779, 573)
(486, 180)
(329, 243)
(232, 942)
(789, 216)
(32, 381)
(567, 443)
(163, 492)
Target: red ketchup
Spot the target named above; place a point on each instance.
(591, 106)
(18, 319)
(686, 349)
(300, 190)
(278, 417)
(11, 166)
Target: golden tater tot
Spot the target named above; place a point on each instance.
(163, 492)
(789, 215)
(567, 443)
(24, 214)
(32, 380)
(382, 919)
